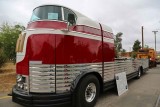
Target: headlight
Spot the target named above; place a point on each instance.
(25, 87)
(21, 82)
(19, 78)
(22, 86)
(18, 84)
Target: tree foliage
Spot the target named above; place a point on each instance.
(2, 58)
(146, 46)
(123, 51)
(118, 43)
(134, 54)
(136, 46)
(8, 39)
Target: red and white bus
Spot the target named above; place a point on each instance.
(65, 58)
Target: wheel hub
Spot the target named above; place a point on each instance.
(90, 92)
(139, 73)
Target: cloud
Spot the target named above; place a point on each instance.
(122, 16)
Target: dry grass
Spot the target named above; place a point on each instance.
(7, 77)
(7, 68)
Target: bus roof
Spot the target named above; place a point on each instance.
(83, 20)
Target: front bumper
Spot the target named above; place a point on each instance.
(41, 100)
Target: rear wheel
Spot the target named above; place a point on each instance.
(155, 64)
(87, 91)
(139, 73)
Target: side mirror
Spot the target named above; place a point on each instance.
(71, 19)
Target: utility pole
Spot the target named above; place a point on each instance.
(155, 32)
(142, 39)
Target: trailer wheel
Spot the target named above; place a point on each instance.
(87, 91)
(139, 73)
(155, 64)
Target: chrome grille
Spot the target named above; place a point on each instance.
(42, 78)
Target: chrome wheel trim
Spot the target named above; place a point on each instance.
(90, 92)
(139, 73)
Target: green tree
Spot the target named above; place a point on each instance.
(136, 46)
(134, 54)
(8, 39)
(123, 51)
(118, 43)
(146, 46)
(2, 58)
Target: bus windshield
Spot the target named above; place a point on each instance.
(47, 13)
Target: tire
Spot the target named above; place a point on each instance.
(87, 91)
(139, 74)
(155, 64)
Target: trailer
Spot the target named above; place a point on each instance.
(150, 54)
(65, 58)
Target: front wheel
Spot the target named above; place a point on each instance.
(87, 91)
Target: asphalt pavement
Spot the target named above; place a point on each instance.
(143, 92)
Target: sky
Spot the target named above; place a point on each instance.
(126, 16)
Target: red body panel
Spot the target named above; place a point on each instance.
(72, 50)
(41, 47)
(63, 25)
(23, 66)
(47, 24)
(64, 49)
(91, 30)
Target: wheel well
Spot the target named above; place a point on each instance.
(141, 68)
(96, 75)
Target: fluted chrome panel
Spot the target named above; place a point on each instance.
(42, 78)
(145, 63)
(108, 71)
(66, 74)
(111, 68)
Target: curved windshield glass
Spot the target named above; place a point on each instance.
(47, 13)
(66, 12)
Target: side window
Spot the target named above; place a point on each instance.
(66, 12)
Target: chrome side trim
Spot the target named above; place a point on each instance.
(111, 68)
(35, 62)
(67, 73)
(42, 76)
